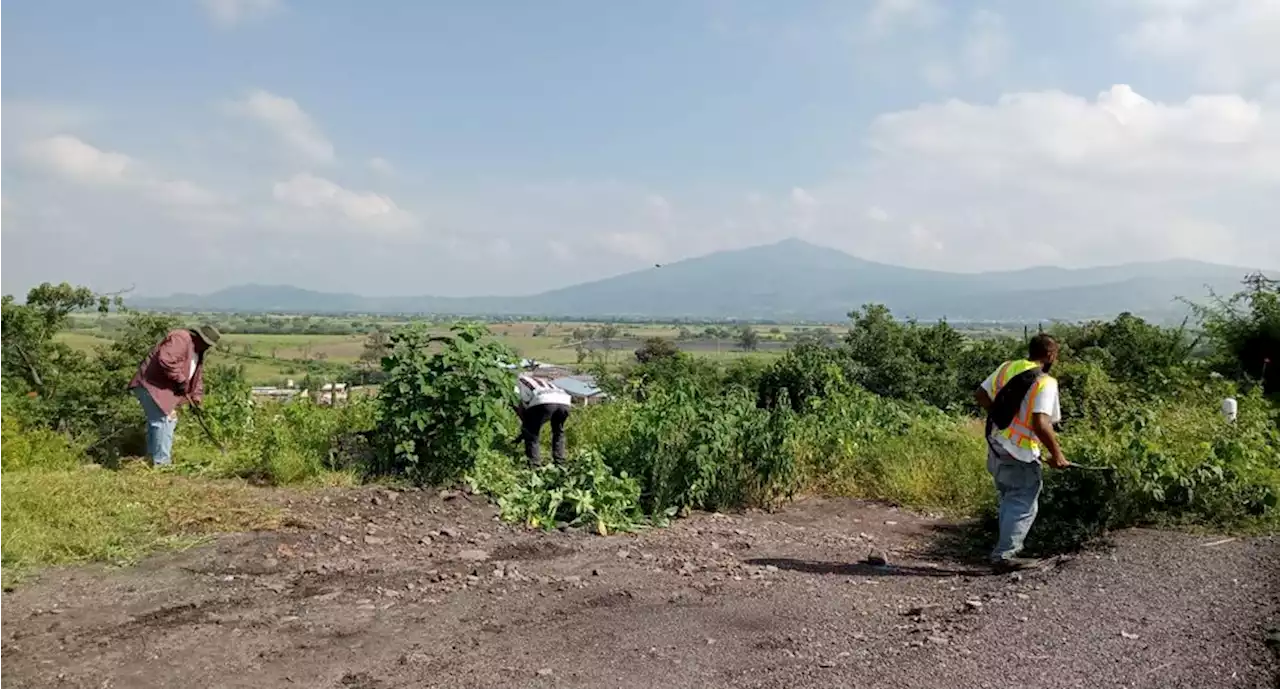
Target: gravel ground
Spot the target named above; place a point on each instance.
(376, 589)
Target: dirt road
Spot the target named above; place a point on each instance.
(379, 590)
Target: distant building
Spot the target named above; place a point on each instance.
(271, 392)
(582, 389)
(331, 393)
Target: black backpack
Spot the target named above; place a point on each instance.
(1009, 399)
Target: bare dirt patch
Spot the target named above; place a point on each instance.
(385, 589)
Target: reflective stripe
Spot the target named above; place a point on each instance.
(1019, 430)
(1002, 375)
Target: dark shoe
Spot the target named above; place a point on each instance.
(1014, 564)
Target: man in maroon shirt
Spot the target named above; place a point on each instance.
(171, 373)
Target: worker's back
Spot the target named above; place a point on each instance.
(536, 391)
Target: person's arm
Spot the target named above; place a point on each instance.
(1043, 413)
(983, 398)
(1042, 424)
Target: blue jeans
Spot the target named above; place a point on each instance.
(160, 428)
(1018, 488)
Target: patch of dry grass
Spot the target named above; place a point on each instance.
(90, 514)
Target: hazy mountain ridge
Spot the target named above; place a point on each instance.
(789, 280)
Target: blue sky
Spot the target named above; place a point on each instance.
(509, 147)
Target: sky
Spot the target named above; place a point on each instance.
(411, 147)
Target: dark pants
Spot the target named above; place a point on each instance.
(532, 421)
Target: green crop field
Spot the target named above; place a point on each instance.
(273, 358)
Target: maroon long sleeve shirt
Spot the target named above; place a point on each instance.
(167, 372)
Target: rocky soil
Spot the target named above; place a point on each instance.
(378, 589)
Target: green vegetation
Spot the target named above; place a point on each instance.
(884, 413)
(87, 514)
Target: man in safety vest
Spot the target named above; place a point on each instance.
(1019, 434)
(540, 402)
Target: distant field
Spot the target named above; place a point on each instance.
(272, 358)
(338, 348)
(80, 340)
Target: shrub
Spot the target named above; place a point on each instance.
(1176, 462)
(36, 449)
(582, 492)
(290, 442)
(655, 348)
(438, 411)
(693, 449)
(228, 404)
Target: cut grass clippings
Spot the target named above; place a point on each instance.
(98, 515)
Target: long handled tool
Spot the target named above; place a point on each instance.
(199, 412)
(1086, 467)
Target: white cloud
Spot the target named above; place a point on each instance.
(365, 209)
(76, 160)
(70, 159)
(1052, 177)
(288, 121)
(228, 13)
(1226, 44)
(877, 214)
(382, 166)
(887, 15)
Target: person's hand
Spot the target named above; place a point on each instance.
(1058, 462)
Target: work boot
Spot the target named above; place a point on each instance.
(1014, 564)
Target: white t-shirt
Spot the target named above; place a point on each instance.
(1046, 403)
(536, 391)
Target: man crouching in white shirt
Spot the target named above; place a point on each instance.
(540, 402)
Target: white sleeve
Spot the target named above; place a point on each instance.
(990, 383)
(1047, 400)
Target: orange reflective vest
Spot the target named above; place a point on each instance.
(1019, 430)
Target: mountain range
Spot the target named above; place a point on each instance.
(789, 280)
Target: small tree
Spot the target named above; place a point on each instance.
(439, 410)
(29, 349)
(748, 339)
(655, 348)
(376, 346)
(1245, 328)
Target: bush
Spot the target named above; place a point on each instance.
(288, 443)
(807, 371)
(1245, 329)
(228, 404)
(36, 449)
(1176, 462)
(692, 449)
(438, 411)
(858, 444)
(655, 348)
(582, 492)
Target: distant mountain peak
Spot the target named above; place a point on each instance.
(791, 279)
